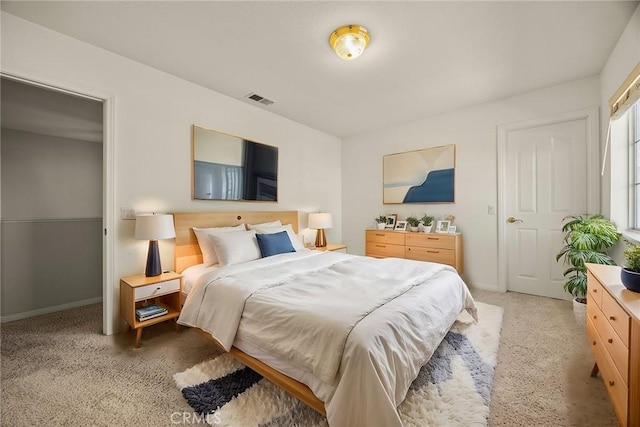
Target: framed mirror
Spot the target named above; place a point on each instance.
(228, 167)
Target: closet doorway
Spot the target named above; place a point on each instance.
(52, 192)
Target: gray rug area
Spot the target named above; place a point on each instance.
(58, 370)
(452, 389)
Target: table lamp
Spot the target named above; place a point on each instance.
(153, 227)
(320, 221)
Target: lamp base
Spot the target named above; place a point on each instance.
(321, 240)
(153, 260)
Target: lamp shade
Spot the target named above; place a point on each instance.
(154, 227)
(320, 220)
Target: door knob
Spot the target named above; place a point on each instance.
(511, 220)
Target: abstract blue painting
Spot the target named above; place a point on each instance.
(420, 176)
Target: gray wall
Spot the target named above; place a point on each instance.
(51, 223)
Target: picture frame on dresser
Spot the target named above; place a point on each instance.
(391, 221)
(442, 226)
(401, 226)
(452, 229)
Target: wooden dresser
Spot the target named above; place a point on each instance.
(613, 329)
(433, 247)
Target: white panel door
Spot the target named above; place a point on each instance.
(545, 180)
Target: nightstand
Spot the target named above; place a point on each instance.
(329, 247)
(138, 291)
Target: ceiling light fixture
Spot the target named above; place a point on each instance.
(349, 41)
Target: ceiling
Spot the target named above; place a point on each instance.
(34, 109)
(424, 58)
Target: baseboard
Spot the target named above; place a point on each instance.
(47, 310)
(484, 287)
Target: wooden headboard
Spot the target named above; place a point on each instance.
(187, 252)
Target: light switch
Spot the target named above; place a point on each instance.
(491, 210)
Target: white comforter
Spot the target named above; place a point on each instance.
(362, 326)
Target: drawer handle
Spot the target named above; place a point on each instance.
(612, 318)
(380, 246)
(595, 291)
(595, 316)
(610, 340)
(434, 252)
(594, 343)
(611, 383)
(378, 234)
(433, 238)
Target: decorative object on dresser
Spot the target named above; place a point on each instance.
(427, 223)
(420, 176)
(441, 248)
(586, 239)
(630, 273)
(391, 221)
(381, 222)
(401, 226)
(613, 329)
(155, 298)
(333, 248)
(320, 221)
(442, 226)
(153, 227)
(413, 223)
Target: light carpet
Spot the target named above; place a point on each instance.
(452, 389)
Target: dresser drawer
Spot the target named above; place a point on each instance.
(594, 289)
(442, 256)
(431, 241)
(384, 250)
(617, 388)
(156, 289)
(617, 317)
(390, 238)
(594, 339)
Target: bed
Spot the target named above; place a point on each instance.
(293, 318)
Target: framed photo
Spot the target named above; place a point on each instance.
(452, 229)
(442, 226)
(391, 221)
(401, 226)
(420, 176)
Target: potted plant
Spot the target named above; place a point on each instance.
(381, 222)
(413, 222)
(586, 239)
(427, 222)
(630, 273)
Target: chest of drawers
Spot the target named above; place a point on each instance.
(433, 247)
(613, 330)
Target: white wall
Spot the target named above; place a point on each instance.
(474, 131)
(615, 181)
(154, 112)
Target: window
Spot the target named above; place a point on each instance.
(634, 173)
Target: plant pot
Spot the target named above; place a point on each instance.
(427, 228)
(414, 229)
(381, 225)
(630, 279)
(580, 312)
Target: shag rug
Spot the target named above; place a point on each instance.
(452, 389)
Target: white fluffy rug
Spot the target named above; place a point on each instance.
(452, 389)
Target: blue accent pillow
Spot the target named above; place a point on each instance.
(274, 244)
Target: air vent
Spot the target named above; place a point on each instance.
(261, 99)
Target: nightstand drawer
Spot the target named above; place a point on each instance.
(156, 289)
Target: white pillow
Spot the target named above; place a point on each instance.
(236, 248)
(275, 223)
(295, 242)
(209, 256)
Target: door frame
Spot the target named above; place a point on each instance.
(593, 181)
(108, 175)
